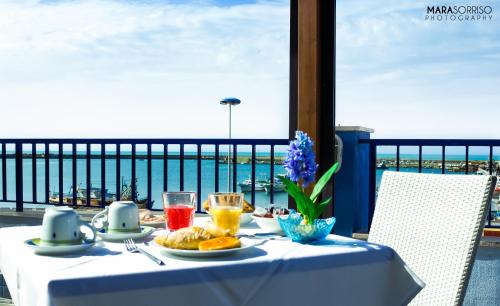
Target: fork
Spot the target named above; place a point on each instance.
(132, 248)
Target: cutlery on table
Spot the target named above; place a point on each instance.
(132, 248)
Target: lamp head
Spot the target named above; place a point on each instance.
(230, 101)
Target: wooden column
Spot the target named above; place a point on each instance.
(308, 66)
(312, 67)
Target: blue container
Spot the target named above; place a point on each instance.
(305, 233)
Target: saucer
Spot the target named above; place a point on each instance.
(119, 237)
(155, 224)
(57, 249)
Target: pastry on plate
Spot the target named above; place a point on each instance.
(186, 238)
(216, 231)
(145, 216)
(247, 207)
(190, 238)
(220, 243)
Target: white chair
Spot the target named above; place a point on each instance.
(434, 222)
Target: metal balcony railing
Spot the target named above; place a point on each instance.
(492, 168)
(22, 152)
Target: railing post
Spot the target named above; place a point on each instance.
(351, 186)
(19, 176)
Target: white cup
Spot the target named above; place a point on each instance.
(62, 226)
(119, 217)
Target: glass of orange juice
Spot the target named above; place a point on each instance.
(225, 209)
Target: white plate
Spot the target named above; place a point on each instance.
(204, 254)
(57, 249)
(269, 224)
(119, 237)
(246, 218)
(155, 224)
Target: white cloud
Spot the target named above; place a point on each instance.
(152, 69)
(158, 69)
(410, 78)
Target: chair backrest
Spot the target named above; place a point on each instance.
(434, 222)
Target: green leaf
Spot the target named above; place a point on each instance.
(319, 208)
(320, 185)
(304, 204)
(295, 192)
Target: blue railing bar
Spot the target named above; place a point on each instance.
(419, 159)
(466, 159)
(490, 167)
(433, 142)
(103, 175)
(60, 158)
(372, 156)
(33, 172)
(118, 172)
(150, 177)
(198, 178)
(179, 141)
(253, 174)
(271, 200)
(74, 173)
(490, 170)
(4, 171)
(235, 166)
(88, 174)
(216, 168)
(397, 157)
(443, 159)
(19, 177)
(134, 175)
(47, 172)
(181, 168)
(165, 167)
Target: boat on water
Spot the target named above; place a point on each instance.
(277, 184)
(382, 165)
(262, 185)
(96, 196)
(246, 185)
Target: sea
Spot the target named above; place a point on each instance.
(244, 172)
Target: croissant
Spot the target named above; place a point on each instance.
(186, 238)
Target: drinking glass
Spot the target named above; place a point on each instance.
(225, 209)
(179, 209)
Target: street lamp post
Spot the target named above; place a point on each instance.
(231, 102)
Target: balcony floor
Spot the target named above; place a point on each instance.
(484, 284)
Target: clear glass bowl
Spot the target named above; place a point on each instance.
(305, 233)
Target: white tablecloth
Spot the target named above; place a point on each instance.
(341, 271)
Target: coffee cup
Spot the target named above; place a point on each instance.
(62, 226)
(119, 217)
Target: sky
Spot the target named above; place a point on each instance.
(149, 69)
(411, 78)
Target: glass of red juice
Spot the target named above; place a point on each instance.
(179, 209)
